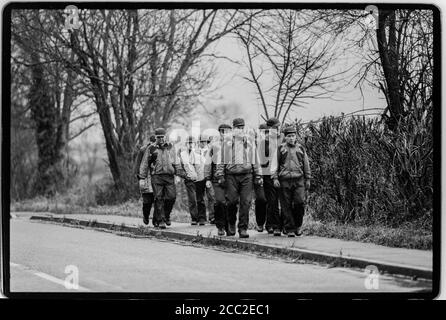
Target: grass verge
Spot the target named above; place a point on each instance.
(406, 236)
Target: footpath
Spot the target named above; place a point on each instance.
(400, 261)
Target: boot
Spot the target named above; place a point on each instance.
(243, 234)
(146, 213)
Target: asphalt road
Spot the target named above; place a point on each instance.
(40, 254)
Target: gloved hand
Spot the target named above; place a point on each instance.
(208, 184)
(221, 181)
(307, 184)
(192, 176)
(258, 180)
(276, 183)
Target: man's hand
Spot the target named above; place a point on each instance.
(276, 183)
(258, 180)
(192, 176)
(177, 179)
(208, 184)
(307, 184)
(221, 181)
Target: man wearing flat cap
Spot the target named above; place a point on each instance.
(240, 171)
(162, 159)
(215, 179)
(292, 177)
(145, 185)
(204, 147)
(194, 181)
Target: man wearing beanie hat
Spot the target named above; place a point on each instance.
(161, 160)
(239, 171)
(292, 176)
(273, 122)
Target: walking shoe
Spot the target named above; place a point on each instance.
(231, 230)
(270, 230)
(168, 222)
(284, 231)
(202, 223)
(221, 232)
(291, 234)
(194, 223)
(298, 232)
(277, 233)
(145, 220)
(259, 229)
(212, 221)
(155, 223)
(162, 225)
(243, 234)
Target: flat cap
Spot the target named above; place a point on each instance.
(238, 122)
(160, 132)
(224, 126)
(289, 129)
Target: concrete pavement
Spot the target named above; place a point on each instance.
(393, 260)
(41, 252)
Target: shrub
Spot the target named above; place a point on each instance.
(365, 173)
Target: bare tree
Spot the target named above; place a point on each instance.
(49, 92)
(397, 56)
(405, 45)
(143, 69)
(288, 62)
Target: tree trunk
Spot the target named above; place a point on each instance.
(49, 141)
(389, 59)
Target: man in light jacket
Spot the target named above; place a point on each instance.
(193, 164)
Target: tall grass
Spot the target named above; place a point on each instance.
(366, 174)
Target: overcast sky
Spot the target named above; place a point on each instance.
(234, 90)
(240, 98)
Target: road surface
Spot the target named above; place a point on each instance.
(40, 254)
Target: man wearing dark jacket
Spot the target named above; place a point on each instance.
(292, 176)
(274, 218)
(260, 202)
(162, 158)
(240, 170)
(145, 185)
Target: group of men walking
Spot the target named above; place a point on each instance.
(228, 170)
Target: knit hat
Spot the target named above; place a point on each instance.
(273, 122)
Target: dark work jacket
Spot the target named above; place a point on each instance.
(161, 158)
(292, 163)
